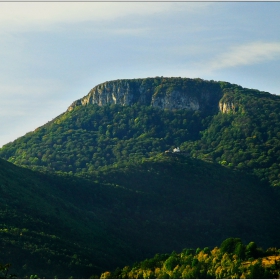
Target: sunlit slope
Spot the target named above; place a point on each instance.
(221, 122)
(90, 137)
(233, 260)
(245, 135)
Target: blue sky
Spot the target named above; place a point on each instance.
(53, 53)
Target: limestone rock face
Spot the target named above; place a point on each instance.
(164, 93)
(227, 107)
(175, 100)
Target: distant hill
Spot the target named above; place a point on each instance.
(126, 120)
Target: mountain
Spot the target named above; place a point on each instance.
(67, 226)
(87, 137)
(229, 125)
(163, 93)
(104, 181)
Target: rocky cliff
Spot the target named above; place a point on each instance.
(227, 107)
(164, 93)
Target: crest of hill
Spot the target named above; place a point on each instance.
(159, 92)
(165, 93)
(101, 130)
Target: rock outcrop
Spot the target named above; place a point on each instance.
(227, 107)
(160, 92)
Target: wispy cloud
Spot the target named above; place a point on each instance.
(247, 54)
(38, 15)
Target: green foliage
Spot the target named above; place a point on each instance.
(251, 250)
(233, 246)
(247, 137)
(4, 271)
(129, 197)
(258, 271)
(230, 245)
(86, 139)
(170, 263)
(217, 263)
(68, 226)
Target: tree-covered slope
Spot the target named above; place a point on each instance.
(48, 225)
(212, 202)
(246, 136)
(89, 137)
(130, 197)
(231, 125)
(68, 226)
(233, 260)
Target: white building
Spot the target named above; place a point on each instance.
(176, 150)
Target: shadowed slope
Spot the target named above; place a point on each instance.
(67, 226)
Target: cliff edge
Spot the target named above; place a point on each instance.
(160, 92)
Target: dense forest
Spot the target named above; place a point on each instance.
(86, 139)
(233, 260)
(91, 137)
(44, 225)
(100, 180)
(247, 138)
(58, 225)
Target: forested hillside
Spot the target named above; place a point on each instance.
(68, 226)
(101, 181)
(44, 224)
(241, 131)
(247, 137)
(233, 260)
(88, 138)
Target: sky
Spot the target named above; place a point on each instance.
(53, 53)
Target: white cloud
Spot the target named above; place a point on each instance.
(52, 53)
(247, 54)
(41, 15)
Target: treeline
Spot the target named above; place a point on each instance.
(233, 260)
